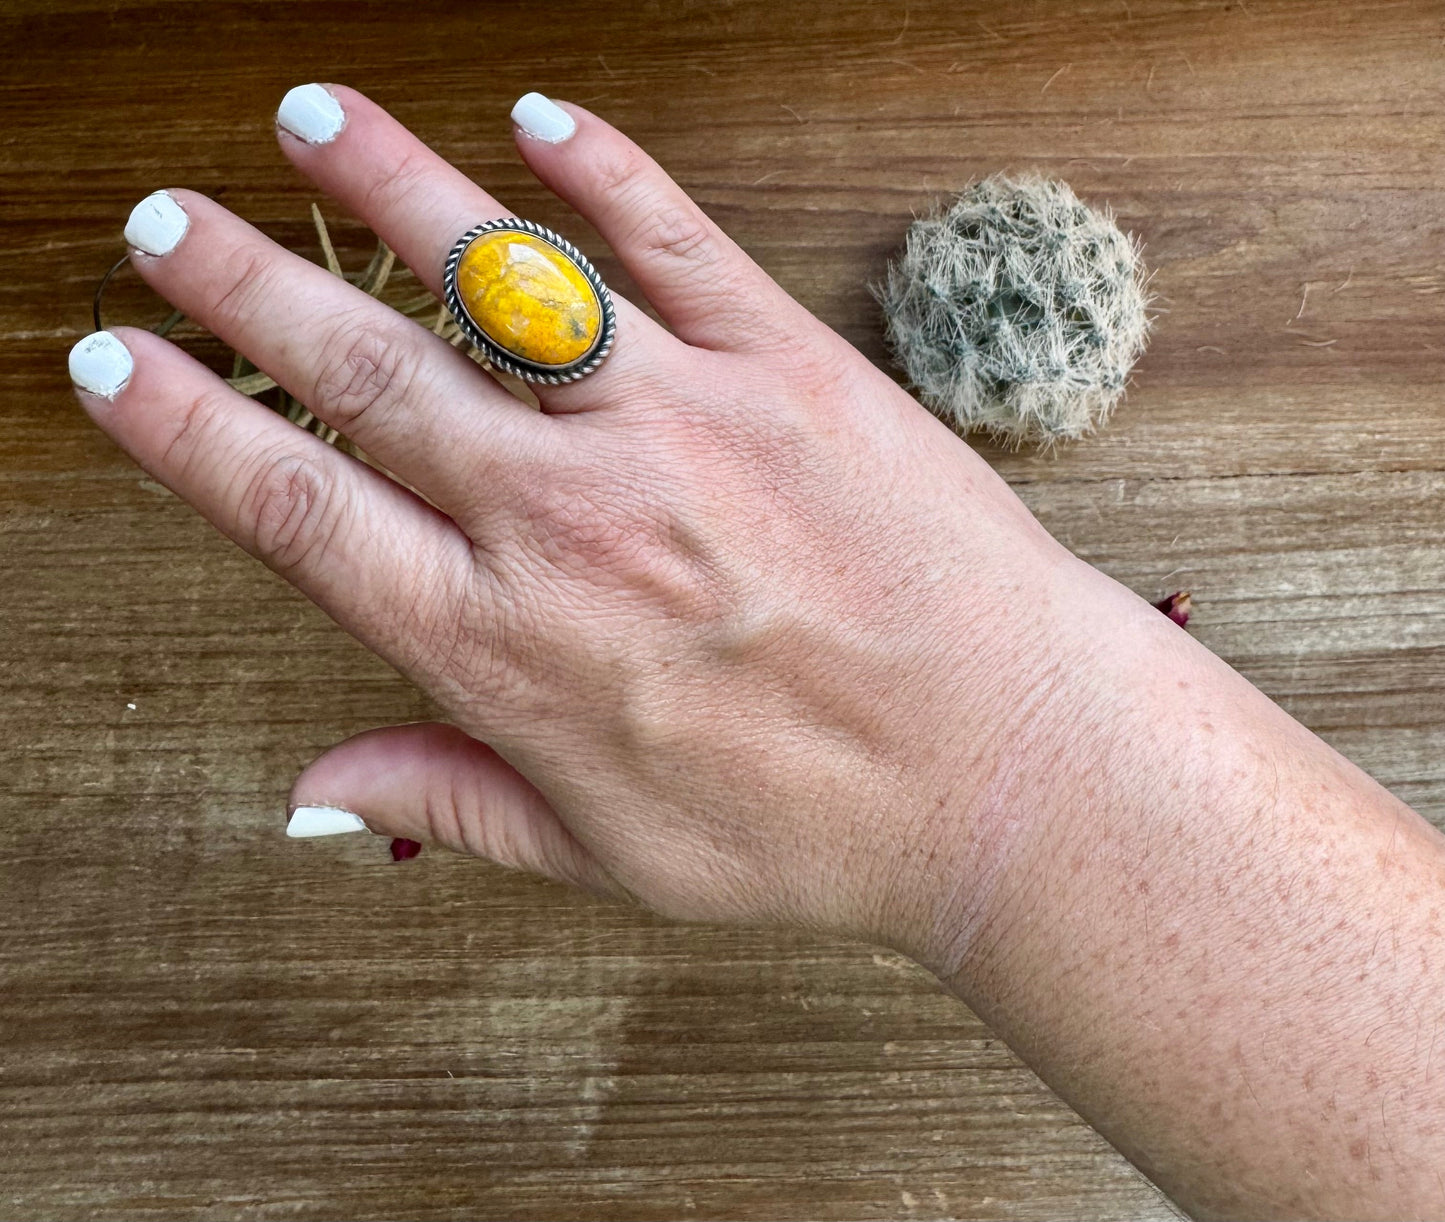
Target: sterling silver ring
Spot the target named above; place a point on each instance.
(530, 301)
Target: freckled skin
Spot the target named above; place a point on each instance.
(529, 297)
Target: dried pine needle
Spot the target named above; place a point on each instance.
(333, 265)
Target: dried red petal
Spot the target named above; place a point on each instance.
(402, 849)
(1176, 607)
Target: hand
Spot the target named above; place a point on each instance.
(732, 625)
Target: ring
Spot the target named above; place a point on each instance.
(530, 301)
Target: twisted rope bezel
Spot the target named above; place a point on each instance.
(508, 362)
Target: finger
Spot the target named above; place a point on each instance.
(433, 782)
(420, 205)
(703, 285)
(367, 551)
(404, 395)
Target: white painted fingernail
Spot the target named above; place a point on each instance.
(157, 224)
(101, 364)
(542, 119)
(323, 821)
(311, 113)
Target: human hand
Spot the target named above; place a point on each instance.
(732, 625)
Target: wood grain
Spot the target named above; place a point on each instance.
(202, 1020)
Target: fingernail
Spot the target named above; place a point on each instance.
(542, 119)
(311, 113)
(157, 224)
(323, 821)
(101, 364)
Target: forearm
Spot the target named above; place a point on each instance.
(1213, 935)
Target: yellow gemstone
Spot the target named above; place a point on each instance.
(528, 297)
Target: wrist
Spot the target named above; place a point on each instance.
(1176, 915)
(1082, 737)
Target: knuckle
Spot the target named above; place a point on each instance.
(620, 173)
(197, 431)
(292, 514)
(450, 616)
(676, 231)
(576, 522)
(668, 223)
(248, 275)
(396, 192)
(362, 373)
(449, 814)
(582, 539)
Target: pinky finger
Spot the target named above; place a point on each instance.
(363, 548)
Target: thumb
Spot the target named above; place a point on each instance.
(433, 782)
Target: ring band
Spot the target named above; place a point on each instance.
(530, 301)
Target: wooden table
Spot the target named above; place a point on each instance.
(201, 1019)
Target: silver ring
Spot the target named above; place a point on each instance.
(515, 347)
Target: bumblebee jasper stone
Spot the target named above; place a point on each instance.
(528, 297)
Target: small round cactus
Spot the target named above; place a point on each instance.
(1019, 310)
